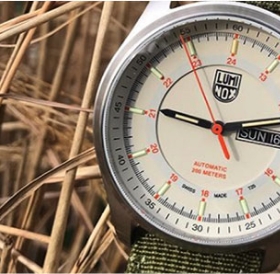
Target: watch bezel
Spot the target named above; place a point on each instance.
(125, 54)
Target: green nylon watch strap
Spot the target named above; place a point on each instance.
(152, 254)
(273, 6)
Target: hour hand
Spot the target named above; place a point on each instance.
(251, 123)
(187, 118)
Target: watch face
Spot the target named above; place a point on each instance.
(189, 123)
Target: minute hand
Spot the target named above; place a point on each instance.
(187, 118)
(251, 123)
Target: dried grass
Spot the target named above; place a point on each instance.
(53, 208)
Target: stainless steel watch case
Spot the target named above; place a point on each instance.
(125, 219)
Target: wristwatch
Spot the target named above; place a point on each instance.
(187, 134)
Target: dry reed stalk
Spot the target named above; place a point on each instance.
(10, 23)
(6, 25)
(18, 54)
(19, 257)
(35, 200)
(14, 126)
(59, 118)
(16, 113)
(83, 173)
(118, 244)
(34, 22)
(28, 189)
(46, 34)
(78, 205)
(88, 247)
(6, 254)
(13, 64)
(40, 71)
(52, 260)
(81, 231)
(40, 102)
(24, 233)
(95, 255)
(79, 14)
(17, 183)
(83, 45)
(32, 115)
(6, 10)
(123, 9)
(82, 212)
(26, 262)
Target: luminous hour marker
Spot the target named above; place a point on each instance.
(276, 179)
(244, 206)
(201, 209)
(163, 189)
(156, 72)
(270, 173)
(135, 110)
(191, 47)
(138, 153)
(273, 65)
(234, 46)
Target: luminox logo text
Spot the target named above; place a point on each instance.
(226, 85)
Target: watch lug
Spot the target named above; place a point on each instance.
(272, 254)
(153, 11)
(121, 220)
(271, 259)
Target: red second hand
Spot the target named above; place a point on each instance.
(217, 128)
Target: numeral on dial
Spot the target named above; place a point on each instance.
(202, 204)
(273, 65)
(243, 203)
(233, 51)
(166, 81)
(164, 188)
(270, 173)
(151, 113)
(153, 148)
